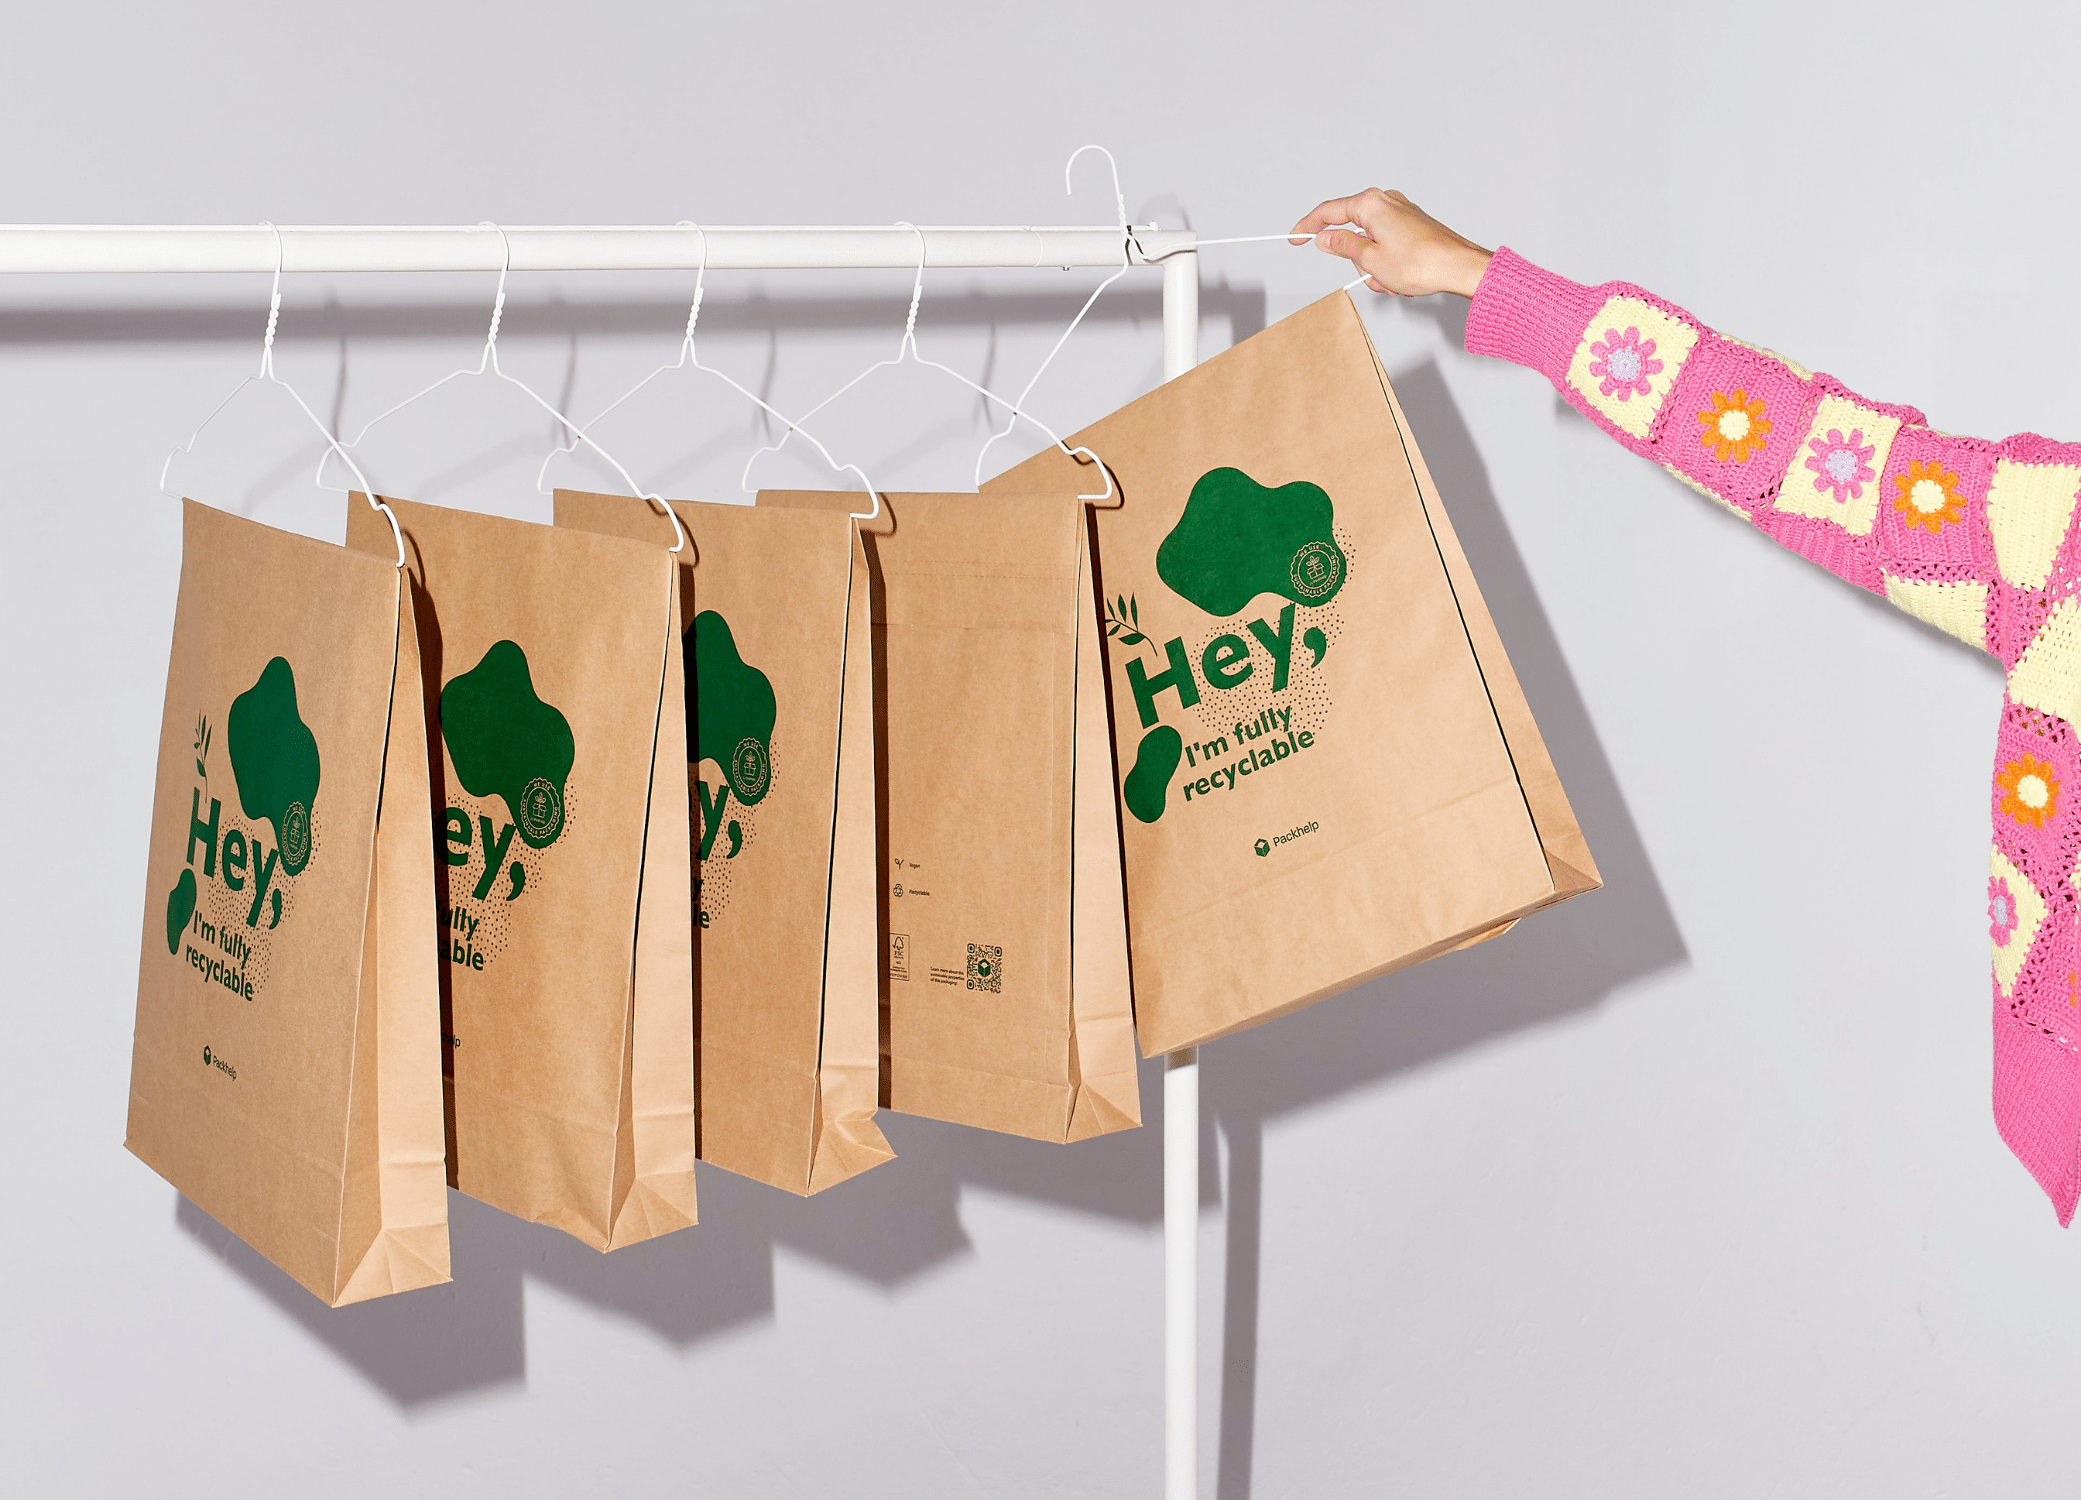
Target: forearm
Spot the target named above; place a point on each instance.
(1955, 530)
(1975, 537)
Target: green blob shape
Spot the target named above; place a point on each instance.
(180, 906)
(1149, 782)
(274, 757)
(1317, 643)
(730, 709)
(506, 742)
(1238, 539)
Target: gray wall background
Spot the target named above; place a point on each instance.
(1688, 1188)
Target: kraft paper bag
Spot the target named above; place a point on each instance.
(285, 1072)
(1567, 852)
(552, 680)
(780, 765)
(1004, 974)
(1330, 771)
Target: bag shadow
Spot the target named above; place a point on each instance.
(1552, 965)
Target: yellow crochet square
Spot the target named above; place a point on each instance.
(1627, 362)
(2029, 915)
(1834, 473)
(2047, 677)
(2028, 508)
(1958, 609)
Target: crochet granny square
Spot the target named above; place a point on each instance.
(2029, 507)
(1627, 362)
(1835, 468)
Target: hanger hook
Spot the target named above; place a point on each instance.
(693, 315)
(498, 302)
(274, 306)
(1119, 198)
(917, 290)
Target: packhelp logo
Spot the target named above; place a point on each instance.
(219, 924)
(513, 754)
(730, 713)
(1236, 541)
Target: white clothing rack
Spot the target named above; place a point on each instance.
(146, 249)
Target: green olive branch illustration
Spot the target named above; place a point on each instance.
(1124, 619)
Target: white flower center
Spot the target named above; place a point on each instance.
(1841, 464)
(1624, 364)
(1734, 425)
(1927, 496)
(2000, 911)
(2032, 792)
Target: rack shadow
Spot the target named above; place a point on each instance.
(750, 310)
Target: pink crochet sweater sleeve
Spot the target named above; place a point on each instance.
(1975, 537)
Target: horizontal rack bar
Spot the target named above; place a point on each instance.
(178, 248)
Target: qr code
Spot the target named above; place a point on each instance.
(985, 968)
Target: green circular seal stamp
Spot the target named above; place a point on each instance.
(1316, 570)
(541, 811)
(296, 836)
(749, 768)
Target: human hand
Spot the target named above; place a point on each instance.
(1402, 249)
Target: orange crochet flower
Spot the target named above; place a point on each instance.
(1735, 427)
(1928, 496)
(2030, 792)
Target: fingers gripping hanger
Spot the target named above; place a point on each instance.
(1249, 239)
(489, 361)
(266, 375)
(690, 358)
(907, 351)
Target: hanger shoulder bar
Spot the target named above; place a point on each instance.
(177, 248)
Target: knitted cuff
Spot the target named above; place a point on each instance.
(1531, 316)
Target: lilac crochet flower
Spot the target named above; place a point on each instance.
(1842, 464)
(2001, 911)
(1622, 366)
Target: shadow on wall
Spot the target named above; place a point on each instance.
(904, 1218)
(885, 1226)
(1550, 966)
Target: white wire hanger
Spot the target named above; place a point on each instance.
(690, 358)
(489, 361)
(907, 352)
(1126, 239)
(266, 375)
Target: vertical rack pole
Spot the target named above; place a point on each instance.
(1181, 1275)
(1181, 1070)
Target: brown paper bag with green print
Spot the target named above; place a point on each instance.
(780, 765)
(551, 659)
(1004, 975)
(1329, 769)
(285, 1070)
